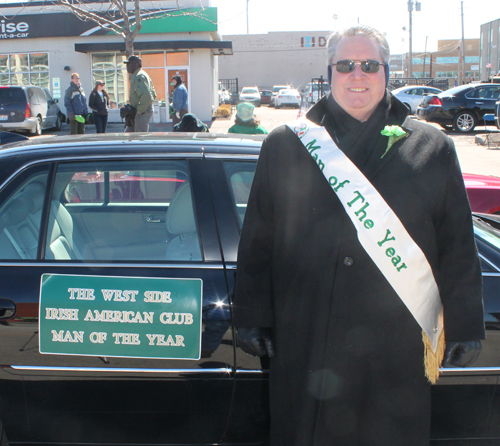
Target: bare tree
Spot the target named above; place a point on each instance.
(116, 17)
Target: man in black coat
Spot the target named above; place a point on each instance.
(347, 355)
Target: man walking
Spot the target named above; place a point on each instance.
(179, 100)
(141, 96)
(76, 105)
(357, 267)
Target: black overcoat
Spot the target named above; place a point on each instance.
(348, 368)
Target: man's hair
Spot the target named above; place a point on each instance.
(75, 75)
(359, 30)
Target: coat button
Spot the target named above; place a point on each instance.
(348, 261)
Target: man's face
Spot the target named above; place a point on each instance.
(132, 67)
(358, 93)
(76, 80)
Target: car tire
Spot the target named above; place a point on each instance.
(38, 127)
(464, 122)
(58, 123)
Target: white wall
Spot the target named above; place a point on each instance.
(275, 58)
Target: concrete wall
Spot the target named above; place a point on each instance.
(274, 58)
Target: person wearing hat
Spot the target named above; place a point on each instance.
(99, 104)
(76, 105)
(141, 96)
(190, 123)
(245, 121)
(358, 274)
(179, 100)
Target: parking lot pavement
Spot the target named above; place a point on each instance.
(473, 157)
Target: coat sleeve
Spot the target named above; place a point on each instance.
(252, 302)
(67, 101)
(459, 279)
(92, 104)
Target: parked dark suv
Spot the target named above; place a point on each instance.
(117, 264)
(28, 108)
(461, 107)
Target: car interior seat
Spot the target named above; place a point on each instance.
(181, 225)
(20, 223)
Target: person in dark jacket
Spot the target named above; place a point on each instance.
(190, 123)
(179, 100)
(99, 104)
(76, 105)
(357, 267)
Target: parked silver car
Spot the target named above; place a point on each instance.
(411, 95)
(28, 108)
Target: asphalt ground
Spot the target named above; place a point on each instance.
(478, 151)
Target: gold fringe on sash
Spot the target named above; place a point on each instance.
(433, 360)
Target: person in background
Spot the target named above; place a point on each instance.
(76, 105)
(99, 104)
(141, 96)
(179, 100)
(245, 121)
(190, 123)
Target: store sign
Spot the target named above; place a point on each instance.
(312, 42)
(129, 317)
(66, 24)
(13, 30)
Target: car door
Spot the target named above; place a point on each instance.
(52, 110)
(483, 99)
(109, 371)
(231, 180)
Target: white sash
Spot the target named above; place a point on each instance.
(379, 230)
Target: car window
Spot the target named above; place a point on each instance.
(494, 92)
(123, 211)
(20, 218)
(48, 97)
(250, 90)
(10, 96)
(240, 175)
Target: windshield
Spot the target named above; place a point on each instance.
(487, 233)
(277, 88)
(249, 90)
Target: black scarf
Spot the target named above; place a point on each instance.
(362, 142)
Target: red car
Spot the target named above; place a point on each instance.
(483, 192)
(265, 96)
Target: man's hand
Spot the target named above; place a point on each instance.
(461, 354)
(178, 115)
(256, 341)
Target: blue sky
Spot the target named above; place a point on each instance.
(438, 19)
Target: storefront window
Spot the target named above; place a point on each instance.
(110, 68)
(22, 69)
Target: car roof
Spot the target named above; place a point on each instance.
(136, 143)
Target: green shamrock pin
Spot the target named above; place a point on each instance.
(395, 133)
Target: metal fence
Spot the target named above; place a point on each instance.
(442, 84)
(231, 85)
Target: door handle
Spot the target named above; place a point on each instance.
(7, 309)
(479, 102)
(152, 219)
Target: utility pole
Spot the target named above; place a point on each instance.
(463, 44)
(425, 52)
(410, 10)
(247, 17)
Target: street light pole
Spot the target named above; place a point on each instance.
(247, 16)
(410, 56)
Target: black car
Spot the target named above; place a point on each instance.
(461, 108)
(117, 262)
(28, 108)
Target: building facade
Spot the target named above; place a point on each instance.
(276, 58)
(490, 49)
(43, 44)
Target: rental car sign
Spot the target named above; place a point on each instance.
(120, 316)
(10, 30)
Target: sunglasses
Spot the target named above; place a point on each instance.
(367, 66)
